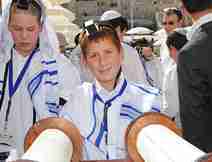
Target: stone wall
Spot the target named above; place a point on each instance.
(141, 11)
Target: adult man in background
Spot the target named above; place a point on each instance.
(172, 19)
(170, 97)
(195, 76)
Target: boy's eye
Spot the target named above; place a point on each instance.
(16, 28)
(108, 51)
(30, 29)
(91, 55)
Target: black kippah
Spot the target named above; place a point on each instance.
(22, 4)
(90, 27)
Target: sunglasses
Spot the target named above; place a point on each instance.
(168, 23)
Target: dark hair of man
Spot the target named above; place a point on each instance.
(176, 40)
(197, 5)
(102, 33)
(124, 24)
(77, 39)
(173, 11)
(34, 8)
(114, 23)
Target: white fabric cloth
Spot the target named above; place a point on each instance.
(69, 76)
(85, 74)
(48, 77)
(153, 72)
(110, 15)
(87, 107)
(170, 98)
(131, 66)
(27, 98)
(203, 20)
(164, 51)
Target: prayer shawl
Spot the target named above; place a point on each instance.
(103, 117)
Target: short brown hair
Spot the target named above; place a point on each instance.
(101, 33)
(34, 9)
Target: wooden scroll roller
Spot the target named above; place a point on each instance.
(116, 160)
(155, 138)
(205, 158)
(52, 140)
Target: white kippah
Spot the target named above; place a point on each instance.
(109, 15)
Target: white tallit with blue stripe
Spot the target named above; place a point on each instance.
(104, 135)
(45, 80)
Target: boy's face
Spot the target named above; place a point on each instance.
(104, 60)
(25, 30)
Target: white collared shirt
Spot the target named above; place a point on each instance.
(170, 101)
(202, 20)
(86, 111)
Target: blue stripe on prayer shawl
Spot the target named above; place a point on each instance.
(99, 137)
(53, 107)
(0, 92)
(51, 83)
(52, 111)
(146, 90)
(49, 62)
(154, 109)
(51, 103)
(132, 108)
(127, 115)
(132, 112)
(34, 83)
(51, 73)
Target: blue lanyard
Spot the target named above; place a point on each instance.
(13, 87)
(107, 104)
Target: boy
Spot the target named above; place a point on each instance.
(103, 110)
(33, 76)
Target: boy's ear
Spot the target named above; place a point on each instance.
(122, 53)
(82, 59)
(41, 27)
(9, 27)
